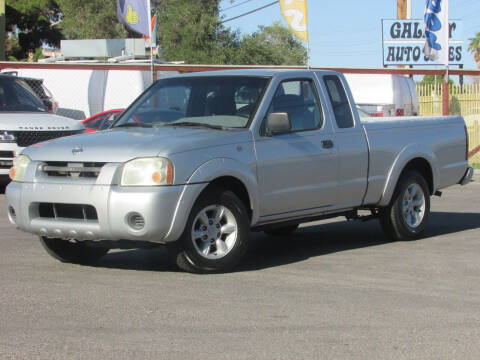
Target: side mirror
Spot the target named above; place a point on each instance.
(278, 123)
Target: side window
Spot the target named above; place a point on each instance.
(298, 99)
(96, 123)
(339, 100)
(25, 97)
(108, 121)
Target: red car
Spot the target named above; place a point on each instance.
(102, 120)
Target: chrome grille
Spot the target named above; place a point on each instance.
(74, 170)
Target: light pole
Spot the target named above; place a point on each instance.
(2, 30)
(401, 9)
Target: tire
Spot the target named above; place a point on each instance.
(407, 215)
(216, 236)
(282, 230)
(68, 252)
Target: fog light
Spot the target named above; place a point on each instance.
(136, 221)
(12, 215)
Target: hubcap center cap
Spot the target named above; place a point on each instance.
(212, 232)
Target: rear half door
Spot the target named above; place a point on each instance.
(297, 171)
(350, 142)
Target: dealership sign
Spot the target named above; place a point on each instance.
(403, 42)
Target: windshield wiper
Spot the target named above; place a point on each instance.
(133, 125)
(191, 123)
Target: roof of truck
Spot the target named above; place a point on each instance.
(256, 72)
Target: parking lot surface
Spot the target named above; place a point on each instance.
(334, 289)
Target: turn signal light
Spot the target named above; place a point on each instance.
(12, 173)
(157, 177)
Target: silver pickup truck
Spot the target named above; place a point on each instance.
(199, 160)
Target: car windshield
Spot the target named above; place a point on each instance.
(220, 102)
(17, 96)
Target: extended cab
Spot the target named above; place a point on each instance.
(199, 160)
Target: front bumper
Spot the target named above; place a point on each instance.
(164, 209)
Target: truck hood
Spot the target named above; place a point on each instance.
(13, 121)
(120, 145)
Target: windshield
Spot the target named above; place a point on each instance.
(16, 95)
(215, 102)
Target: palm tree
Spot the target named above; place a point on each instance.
(474, 48)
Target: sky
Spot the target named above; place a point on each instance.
(348, 33)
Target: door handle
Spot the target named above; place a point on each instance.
(327, 144)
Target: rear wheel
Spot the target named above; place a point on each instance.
(216, 235)
(407, 215)
(72, 252)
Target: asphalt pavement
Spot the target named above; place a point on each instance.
(333, 290)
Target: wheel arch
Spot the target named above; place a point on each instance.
(413, 158)
(231, 175)
(234, 185)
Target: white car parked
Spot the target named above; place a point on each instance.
(384, 95)
(24, 121)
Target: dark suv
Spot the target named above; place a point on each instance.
(39, 88)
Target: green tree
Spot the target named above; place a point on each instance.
(272, 45)
(430, 80)
(12, 47)
(474, 48)
(29, 21)
(191, 31)
(91, 19)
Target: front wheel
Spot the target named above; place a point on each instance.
(407, 215)
(72, 252)
(216, 235)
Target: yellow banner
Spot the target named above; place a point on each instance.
(295, 14)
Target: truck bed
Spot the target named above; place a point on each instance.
(393, 140)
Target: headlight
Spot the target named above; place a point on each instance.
(147, 172)
(20, 163)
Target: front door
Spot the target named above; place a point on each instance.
(297, 171)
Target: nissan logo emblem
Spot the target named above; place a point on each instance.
(77, 150)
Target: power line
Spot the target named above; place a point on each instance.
(234, 6)
(250, 12)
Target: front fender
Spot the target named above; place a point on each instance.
(220, 167)
(409, 153)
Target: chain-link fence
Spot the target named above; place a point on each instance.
(464, 100)
(82, 90)
(80, 93)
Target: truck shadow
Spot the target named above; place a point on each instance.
(317, 240)
(307, 242)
